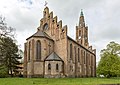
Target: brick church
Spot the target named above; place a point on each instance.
(51, 53)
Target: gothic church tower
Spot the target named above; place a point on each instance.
(82, 32)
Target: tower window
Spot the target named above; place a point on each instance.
(80, 33)
(49, 66)
(38, 50)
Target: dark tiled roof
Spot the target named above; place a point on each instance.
(40, 34)
(53, 57)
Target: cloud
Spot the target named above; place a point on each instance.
(27, 2)
(22, 16)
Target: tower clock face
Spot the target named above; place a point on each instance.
(79, 37)
(45, 27)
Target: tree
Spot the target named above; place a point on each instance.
(9, 54)
(109, 64)
(5, 31)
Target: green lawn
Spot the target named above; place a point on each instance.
(61, 81)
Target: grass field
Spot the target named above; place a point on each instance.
(61, 81)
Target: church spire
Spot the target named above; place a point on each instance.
(81, 21)
(82, 31)
(81, 14)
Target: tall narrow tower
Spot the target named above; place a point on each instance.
(82, 31)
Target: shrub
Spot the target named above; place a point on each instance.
(3, 71)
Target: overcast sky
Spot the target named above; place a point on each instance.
(101, 16)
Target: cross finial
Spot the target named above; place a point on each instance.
(45, 3)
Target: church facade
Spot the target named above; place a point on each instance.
(51, 53)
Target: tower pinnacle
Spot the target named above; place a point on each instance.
(81, 14)
(81, 20)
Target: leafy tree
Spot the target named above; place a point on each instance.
(109, 64)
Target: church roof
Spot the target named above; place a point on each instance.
(53, 57)
(40, 34)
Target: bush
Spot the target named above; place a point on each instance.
(3, 72)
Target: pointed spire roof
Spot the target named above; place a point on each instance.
(81, 19)
(81, 14)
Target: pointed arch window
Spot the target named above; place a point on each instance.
(75, 53)
(71, 51)
(78, 54)
(84, 57)
(49, 66)
(38, 50)
(29, 51)
(57, 67)
(45, 27)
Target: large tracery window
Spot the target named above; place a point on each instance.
(38, 50)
